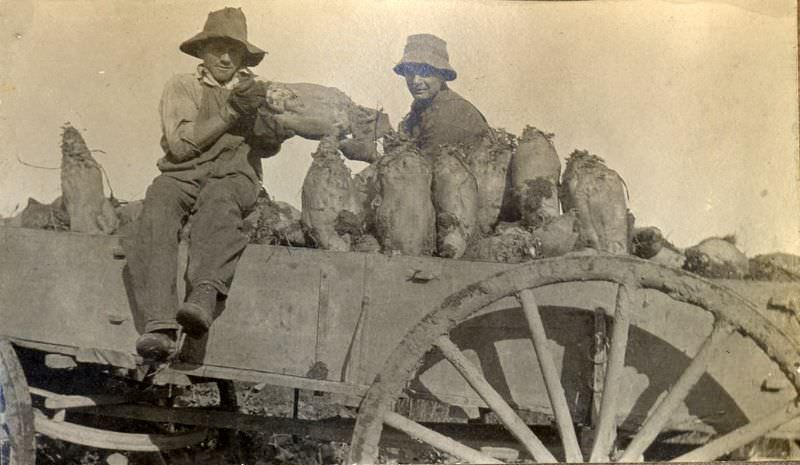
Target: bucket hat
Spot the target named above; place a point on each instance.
(227, 23)
(426, 49)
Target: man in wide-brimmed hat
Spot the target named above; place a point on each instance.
(214, 136)
(438, 114)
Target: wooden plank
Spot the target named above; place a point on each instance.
(323, 312)
(254, 376)
(103, 439)
(60, 288)
(270, 319)
(353, 366)
(329, 429)
(55, 401)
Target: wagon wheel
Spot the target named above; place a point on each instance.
(17, 439)
(730, 313)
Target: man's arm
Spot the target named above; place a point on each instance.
(458, 121)
(208, 130)
(187, 130)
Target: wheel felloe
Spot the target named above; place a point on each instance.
(17, 437)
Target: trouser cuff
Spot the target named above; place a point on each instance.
(221, 288)
(160, 325)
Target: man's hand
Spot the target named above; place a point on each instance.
(268, 127)
(246, 96)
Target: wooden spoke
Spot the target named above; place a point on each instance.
(510, 419)
(435, 439)
(742, 436)
(606, 428)
(659, 417)
(555, 391)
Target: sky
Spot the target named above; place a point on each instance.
(695, 104)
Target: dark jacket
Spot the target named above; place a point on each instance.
(445, 119)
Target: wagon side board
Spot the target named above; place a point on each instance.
(326, 321)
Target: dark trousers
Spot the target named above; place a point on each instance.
(218, 195)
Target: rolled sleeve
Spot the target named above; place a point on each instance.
(178, 108)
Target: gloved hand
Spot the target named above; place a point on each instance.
(246, 96)
(267, 127)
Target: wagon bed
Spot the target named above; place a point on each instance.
(332, 321)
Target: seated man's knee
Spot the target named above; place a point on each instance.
(229, 192)
(163, 193)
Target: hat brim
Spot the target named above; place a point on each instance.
(194, 47)
(449, 74)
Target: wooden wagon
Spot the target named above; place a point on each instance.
(578, 358)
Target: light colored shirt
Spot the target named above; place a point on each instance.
(180, 104)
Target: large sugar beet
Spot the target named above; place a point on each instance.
(535, 171)
(367, 243)
(327, 192)
(455, 198)
(314, 111)
(274, 222)
(596, 194)
(128, 214)
(365, 187)
(37, 215)
(556, 237)
(404, 217)
(511, 243)
(82, 187)
(489, 163)
(775, 267)
(717, 257)
(648, 242)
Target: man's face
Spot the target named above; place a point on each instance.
(223, 58)
(423, 82)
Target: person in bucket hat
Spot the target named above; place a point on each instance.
(213, 138)
(228, 24)
(438, 114)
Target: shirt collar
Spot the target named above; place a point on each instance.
(205, 76)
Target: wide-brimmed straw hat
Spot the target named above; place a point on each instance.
(227, 23)
(426, 49)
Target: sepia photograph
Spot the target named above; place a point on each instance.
(381, 231)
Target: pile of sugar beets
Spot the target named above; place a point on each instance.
(504, 199)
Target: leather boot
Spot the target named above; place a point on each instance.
(197, 313)
(157, 346)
